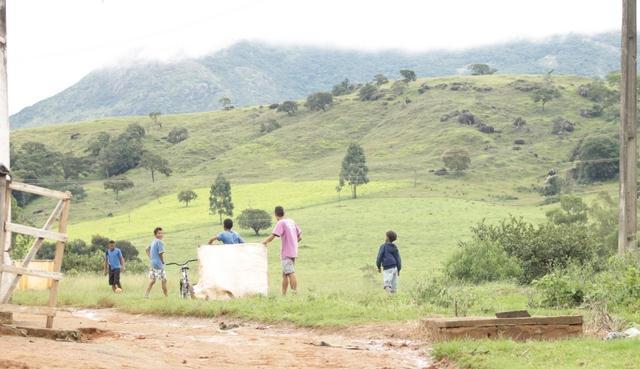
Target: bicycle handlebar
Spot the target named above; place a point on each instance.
(183, 264)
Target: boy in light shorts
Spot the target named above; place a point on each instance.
(290, 234)
(389, 263)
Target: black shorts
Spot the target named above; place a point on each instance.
(114, 277)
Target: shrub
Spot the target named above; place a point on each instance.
(482, 261)
(319, 101)
(481, 69)
(596, 159)
(408, 75)
(270, 126)
(444, 293)
(177, 135)
(456, 159)
(369, 92)
(562, 288)
(289, 107)
(343, 88)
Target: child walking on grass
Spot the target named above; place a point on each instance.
(389, 263)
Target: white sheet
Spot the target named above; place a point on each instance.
(228, 271)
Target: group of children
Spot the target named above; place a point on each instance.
(388, 261)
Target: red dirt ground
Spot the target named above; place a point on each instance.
(153, 342)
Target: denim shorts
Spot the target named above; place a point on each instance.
(288, 266)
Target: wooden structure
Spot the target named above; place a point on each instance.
(60, 214)
(628, 227)
(541, 328)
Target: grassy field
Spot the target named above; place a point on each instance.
(297, 166)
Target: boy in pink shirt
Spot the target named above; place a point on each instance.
(290, 235)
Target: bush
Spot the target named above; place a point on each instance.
(562, 288)
(289, 107)
(177, 135)
(444, 293)
(456, 159)
(255, 219)
(541, 249)
(597, 159)
(270, 126)
(369, 92)
(319, 101)
(482, 261)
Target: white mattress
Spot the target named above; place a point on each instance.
(228, 271)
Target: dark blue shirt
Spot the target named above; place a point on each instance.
(389, 257)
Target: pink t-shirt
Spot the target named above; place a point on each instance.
(289, 232)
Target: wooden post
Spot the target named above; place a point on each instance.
(628, 150)
(4, 102)
(57, 260)
(4, 186)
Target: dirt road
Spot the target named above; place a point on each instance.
(142, 341)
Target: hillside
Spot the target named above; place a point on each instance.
(402, 135)
(251, 74)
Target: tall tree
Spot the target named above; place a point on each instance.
(154, 163)
(97, 143)
(354, 168)
(187, 196)
(408, 75)
(220, 197)
(545, 94)
(380, 79)
(481, 69)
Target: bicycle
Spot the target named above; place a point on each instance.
(186, 289)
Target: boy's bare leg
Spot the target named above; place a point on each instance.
(113, 287)
(164, 288)
(293, 282)
(285, 284)
(151, 283)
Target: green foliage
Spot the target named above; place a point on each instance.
(155, 163)
(74, 167)
(118, 185)
(445, 293)
(572, 211)
(552, 185)
(177, 134)
(543, 248)
(456, 159)
(270, 126)
(482, 261)
(187, 196)
(255, 219)
(123, 153)
(598, 92)
(155, 118)
(544, 94)
(319, 101)
(597, 159)
(563, 287)
(220, 197)
(603, 215)
(354, 168)
(343, 88)
(408, 75)
(369, 92)
(97, 143)
(289, 107)
(480, 69)
(380, 79)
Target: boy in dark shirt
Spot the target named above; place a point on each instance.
(389, 263)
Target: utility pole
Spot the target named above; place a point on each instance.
(628, 143)
(5, 199)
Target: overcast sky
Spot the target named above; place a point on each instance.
(54, 43)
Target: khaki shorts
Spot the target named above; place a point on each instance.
(288, 266)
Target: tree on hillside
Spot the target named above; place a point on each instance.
(134, 131)
(220, 197)
(255, 219)
(354, 169)
(118, 185)
(155, 118)
(369, 92)
(456, 159)
(224, 101)
(97, 143)
(481, 69)
(545, 94)
(187, 196)
(155, 163)
(73, 167)
(380, 79)
(119, 155)
(408, 75)
(289, 107)
(343, 88)
(177, 135)
(319, 101)
(597, 159)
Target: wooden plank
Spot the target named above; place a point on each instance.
(486, 322)
(57, 260)
(36, 190)
(23, 309)
(32, 252)
(36, 273)
(627, 223)
(36, 232)
(4, 217)
(513, 314)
